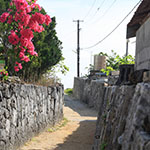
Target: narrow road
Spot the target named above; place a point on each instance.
(77, 134)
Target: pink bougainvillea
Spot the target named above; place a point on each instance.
(13, 38)
(4, 17)
(25, 18)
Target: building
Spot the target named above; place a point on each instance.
(139, 27)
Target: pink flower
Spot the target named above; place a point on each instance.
(22, 49)
(16, 68)
(10, 10)
(24, 42)
(20, 4)
(33, 24)
(22, 19)
(21, 55)
(25, 20)
(38, 6)
(20, 26)
(6, 74)
(27, 33)
(17, 16)
(28, 9)
(30, 46)
(13, 38)
(3, 17)
(25, 58)
(40, 18)
(40, 29)
(48, 20)
(34, 5)
(10, 19)
(35, 53)
(19, 65)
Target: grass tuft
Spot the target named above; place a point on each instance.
(68, 91)
(60, 125)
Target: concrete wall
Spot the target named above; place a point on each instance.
(143, 47)
(25, 110)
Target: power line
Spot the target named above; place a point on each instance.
(99, 8)
(94, 22)
(114, 28)
(67, 35)
(90, 9)
(108, 9)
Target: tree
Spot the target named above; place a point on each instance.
(48, 47)
(4, 5)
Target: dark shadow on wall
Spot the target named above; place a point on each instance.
(81, 139)
(79, 107)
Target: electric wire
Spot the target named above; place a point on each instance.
(84, 17)
(107, 10)
(109, 7)
(114, 28)
(90, 10)
(99, 8)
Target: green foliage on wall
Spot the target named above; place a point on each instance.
(114, 60)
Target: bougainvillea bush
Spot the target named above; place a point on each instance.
(21, 21)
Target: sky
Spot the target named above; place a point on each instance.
(100, 18)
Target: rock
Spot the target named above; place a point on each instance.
(125, 71)
(136, 76)
(14, 79)
(146, 76)
(115, 73)
(112, 80)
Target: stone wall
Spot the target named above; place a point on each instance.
(89, 91)
(25, 110)
(124, 114)
(124, 119)
(143, 47)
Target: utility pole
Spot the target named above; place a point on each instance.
(127, 47)
(78, 46)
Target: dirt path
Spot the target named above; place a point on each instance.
(77, 134)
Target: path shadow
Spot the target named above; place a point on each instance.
(79, 107)
(81, 139)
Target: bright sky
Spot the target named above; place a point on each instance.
(98, 22)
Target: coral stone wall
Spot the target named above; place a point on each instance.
(89, 91)
(124, 114)
(124, 119)
(25, 110)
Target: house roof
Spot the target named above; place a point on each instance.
(139, 17)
